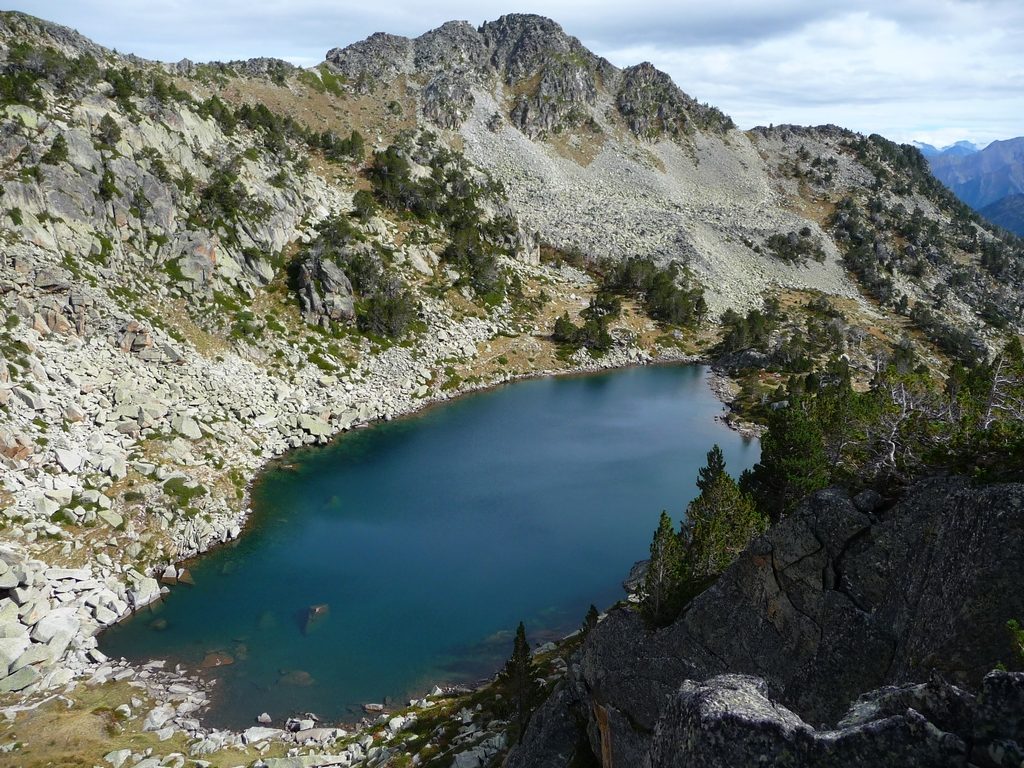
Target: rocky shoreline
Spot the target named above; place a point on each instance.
(51, 616)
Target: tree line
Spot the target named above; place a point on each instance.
(905, 427)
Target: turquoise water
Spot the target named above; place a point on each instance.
(430, 537)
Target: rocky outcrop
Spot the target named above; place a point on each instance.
(839, 599)
(447, 100)
(730, 720)
(455, 46)
(325, 292)
(380, 58)
(552, 76)
(550, 79)
(654, 106)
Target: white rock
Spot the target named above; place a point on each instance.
(61, 620)
(158, 717)
(118, 757)
(260, 733)
(69, 460)
(11, 648)
(186, 426)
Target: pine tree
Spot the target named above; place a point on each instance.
(719, 525)
(711, 471)
(108, 132)
(793, 462)
(848, 415)
(517, 680)
(660, 599)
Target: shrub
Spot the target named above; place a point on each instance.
(108, 188)
(108, 133)
(58, 151)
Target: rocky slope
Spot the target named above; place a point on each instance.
(832, 607)
(622, 162)
(193, 282)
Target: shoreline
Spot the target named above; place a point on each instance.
(423, 407)
(159, 680)
(426, 404)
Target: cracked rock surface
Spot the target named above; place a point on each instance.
(833, 603)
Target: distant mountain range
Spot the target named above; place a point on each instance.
(990, 180)
(959, 149)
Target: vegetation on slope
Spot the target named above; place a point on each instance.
(905, 427)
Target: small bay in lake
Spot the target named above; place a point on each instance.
(404, 555)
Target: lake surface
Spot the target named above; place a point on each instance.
(431, 537)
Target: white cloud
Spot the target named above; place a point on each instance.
(932, 70)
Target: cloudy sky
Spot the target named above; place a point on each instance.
(928, 70)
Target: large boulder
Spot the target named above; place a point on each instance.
(730, 720)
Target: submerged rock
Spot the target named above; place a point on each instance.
(315, 615)
(297, 677)
(216, 659)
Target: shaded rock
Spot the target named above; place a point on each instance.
(635, 580)
(820, 599)
(729, 719)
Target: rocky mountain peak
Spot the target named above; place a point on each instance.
(523, 45)
(548, 78)
(455, 46)
(18, 27)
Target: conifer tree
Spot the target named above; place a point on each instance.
(660, 600)
(711, 471)
(719, 525)
(517, 680)
(793, 462)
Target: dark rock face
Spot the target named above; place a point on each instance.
(730, 721)
(838, 600)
